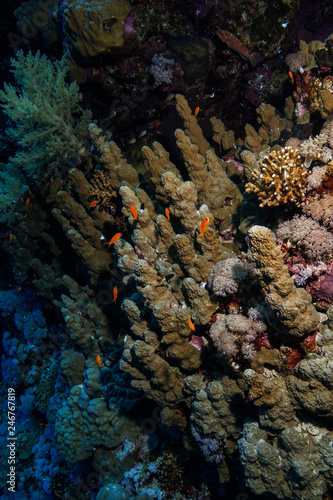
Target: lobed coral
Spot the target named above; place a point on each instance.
(96, 27)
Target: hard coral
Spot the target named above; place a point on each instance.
(95, 27)
(288, 310)
(280, 179)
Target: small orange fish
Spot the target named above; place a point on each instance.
(10, 237)
(19, 288)
(190, 324)
(160, 279)
(93, 204)
(115, 294)
(27, 201)
(134, 212)
(158, 132)
(203, 226)
(82, 434)
(99, 361)
(196, 111)
(114, 239)
(291, 77)
(167, 213)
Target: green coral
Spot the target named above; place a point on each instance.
(48, 123)
(48, 120)
(46, 385)
(12, 186)
(24, 444)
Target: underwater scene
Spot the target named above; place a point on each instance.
(166, 249)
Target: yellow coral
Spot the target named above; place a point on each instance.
(280, 178)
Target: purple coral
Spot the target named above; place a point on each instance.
(211, 448)
(161, 69)
(301, 278)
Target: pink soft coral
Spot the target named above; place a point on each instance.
(308, 235)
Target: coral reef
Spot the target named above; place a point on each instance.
(166, 291)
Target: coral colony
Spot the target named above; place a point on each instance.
(166, 239)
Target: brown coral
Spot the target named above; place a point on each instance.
(289, 310)
(280, 178)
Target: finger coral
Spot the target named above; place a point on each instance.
(280, 178)
(288, 309)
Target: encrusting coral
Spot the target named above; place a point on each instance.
(87, 25)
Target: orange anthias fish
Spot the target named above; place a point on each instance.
(167, 213)
(93, 204)
(203, 226)
(10, 237)
(236, 45)
(291, 77)
(99, 361)
(115, 294)
(190, 324)
(196, 111)
(134, 212)
(114, 239)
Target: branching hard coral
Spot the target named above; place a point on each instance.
(280, 178)
(112, 160)
(48, 120)
(271, 126)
